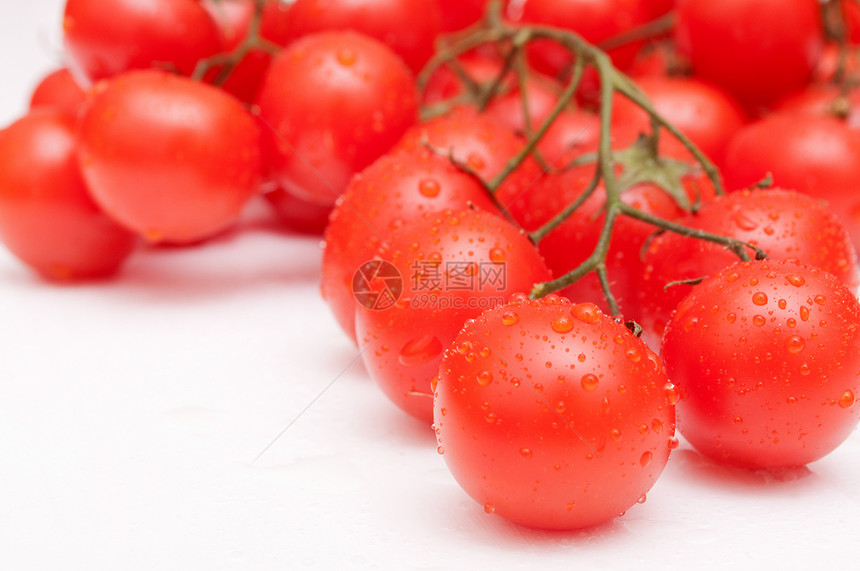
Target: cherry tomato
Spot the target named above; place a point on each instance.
(382, 198)
(506, 107)
(767, 358)
(47, 218)
(356, 100)
(233, 18)
(570, 243)
(453, 265)
(706, 114)
(481, 144)
(827, 100)
(59, 90)
(552, 414)
(819, 156)
(594, 21)
(408, 27)
(783, 223)
(169, 158)
(297, 214)
(457, 14)
(102, 41)
(758, 50)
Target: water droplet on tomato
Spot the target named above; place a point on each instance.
(589, 382)
(673, 443)
(633, 354)
(791, 401)
(429, 187)
(470, 356)
(476, 161)
(759, 320)
(820, 299)
(419, 351)
(645, 459)
(485, 378)
(562, 324)
(510, 317)
(672, 393)
(642, 498)
(440, 450)
(731, 317)
(586, 312)
(346, 57)
(525, 453)
(794, 344)
(738, 420)
(615, 434)
(656, 426)
(488, 508)
(759, 298)
(846, 400)
(643, 428)
(498, 256)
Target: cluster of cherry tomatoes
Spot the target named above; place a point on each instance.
(526, 236)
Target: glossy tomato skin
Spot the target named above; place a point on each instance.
(552, 414)
(706, 114)
(766, 356)
(47, 218)
(819, 156)
(59, 90)
(453, 264)
(785, 224)
(172, 159)
(356, 99)
(482, 144)
(381, 199)
(824, 100)
(408, 27)
(744, 48)
(105, 40)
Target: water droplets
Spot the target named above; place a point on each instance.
(589, 382)
(562, 324)
(420, 350)
(485, 378)
(510, 317)
(525, 453)
(498, 256)
(645, 459)
(586, 312)
(795, 280)
(759, 298)
(846, 400)
(489, 508)
(672, 393)
(429, 187)
(794, 344)
(346, 57)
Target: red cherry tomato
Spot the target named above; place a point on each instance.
(758, 50)
(553, 415)
(706, 114)
(819, 156)
(355, 101)
(766, 356)
(783, 223)
(457, 14)
(382, 198)
(58, 90)
(408, 27)
(824, 100)
(47, 218)
(233, 18)
(481, 144)
(297, 214)
(170, 158)
(453, 265)
(507, 106)
(105, 41)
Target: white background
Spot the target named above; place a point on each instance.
(131, 413)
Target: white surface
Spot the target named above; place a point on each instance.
(131, 413)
